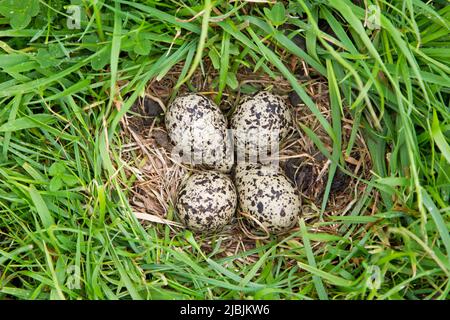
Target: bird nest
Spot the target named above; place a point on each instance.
(156, 176)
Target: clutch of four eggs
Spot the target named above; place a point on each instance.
(199, 130)
(207, 200)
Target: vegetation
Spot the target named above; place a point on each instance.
(67, 230)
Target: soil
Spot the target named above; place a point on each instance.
(300, 173)
(304, 175)
(294, 98)
(148, 109)
(340, 182)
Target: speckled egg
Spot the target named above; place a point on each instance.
(206, 201)
(262, 120)
(267, 195)
(198, 129)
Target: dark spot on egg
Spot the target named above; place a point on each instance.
(260, 207)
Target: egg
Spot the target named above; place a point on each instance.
(206, 201)
(198, 129)
(260, 123)
(266, 195)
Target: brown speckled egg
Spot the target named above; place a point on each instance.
(267, 195)
(261, 120)
(206, 201)
(198, 129)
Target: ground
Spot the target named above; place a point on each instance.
(87, 186)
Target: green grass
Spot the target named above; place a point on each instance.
(67, 230)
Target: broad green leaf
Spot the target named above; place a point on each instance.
(50, 57)
(69, 180)
(56, 169)
(215, 59)
(102, 59)
(55, 183)
(232, 81)
(19, 12)
(142, 45)
(277, 15)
